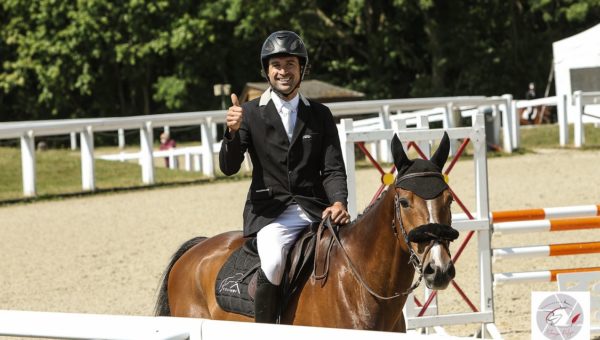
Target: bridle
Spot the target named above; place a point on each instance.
(414, 259)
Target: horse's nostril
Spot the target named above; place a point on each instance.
(429, 269)
(451, 271)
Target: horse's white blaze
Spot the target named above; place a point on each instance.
(436, 251)
(430, 210)
(436, 255)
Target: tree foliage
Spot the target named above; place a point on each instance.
(91, 58)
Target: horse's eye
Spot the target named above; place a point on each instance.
(404, 203)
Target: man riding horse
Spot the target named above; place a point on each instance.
(298, 174)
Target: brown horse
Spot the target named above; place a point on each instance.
(371, 268)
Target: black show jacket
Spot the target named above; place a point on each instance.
(308, 171)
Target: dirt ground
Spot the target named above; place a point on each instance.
(105, 253)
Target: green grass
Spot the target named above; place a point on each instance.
(58, 171)
(546, 136)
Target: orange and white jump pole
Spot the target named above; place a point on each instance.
(545, 213)
(540, 276)
(538, 213)
(559, 224)
(547, 250)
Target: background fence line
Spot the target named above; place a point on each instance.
(417, 111)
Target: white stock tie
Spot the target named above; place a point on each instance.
(286, 118)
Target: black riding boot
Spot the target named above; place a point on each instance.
(266, 299)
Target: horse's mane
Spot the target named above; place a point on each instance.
(369, 207)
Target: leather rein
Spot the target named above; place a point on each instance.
(414, 259)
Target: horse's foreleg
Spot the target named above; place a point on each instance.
(401, 325)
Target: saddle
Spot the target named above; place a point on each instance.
(235, 285)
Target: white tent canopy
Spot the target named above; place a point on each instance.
(577, 66)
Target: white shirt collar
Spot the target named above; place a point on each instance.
(279, 102)
(267, 95)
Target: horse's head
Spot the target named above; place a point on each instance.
(422, 210)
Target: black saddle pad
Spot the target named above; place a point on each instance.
(236, 281)
(234, 278)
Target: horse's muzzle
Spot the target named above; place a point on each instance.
(438, 277)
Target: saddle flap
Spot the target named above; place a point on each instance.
(301, 254)
(322, 253)
(236, 281)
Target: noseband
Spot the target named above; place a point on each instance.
(434, 233)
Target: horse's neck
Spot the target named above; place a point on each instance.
(377, 249)
(373, 230)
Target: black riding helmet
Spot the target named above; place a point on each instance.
(283, 43)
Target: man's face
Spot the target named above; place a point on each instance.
(284, 74)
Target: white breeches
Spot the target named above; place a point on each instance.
(275, 240)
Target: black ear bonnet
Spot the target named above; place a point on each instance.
(422, 177)
(428, 181)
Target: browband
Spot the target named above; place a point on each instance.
(420, 174)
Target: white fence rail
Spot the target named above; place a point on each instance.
(28, 131)
(582, 100)
(96, 326)
(546, 101)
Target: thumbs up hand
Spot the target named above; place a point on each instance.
(234, 114)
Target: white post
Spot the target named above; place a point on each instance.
(73, 140)
(578, 134)
(563, 122)
(345, 126)
(483, 236)
(399, 126)
(507, 124)
(446, 120)
(208, 166)
(196, 162)
(88, 181)
(146, 153)
(28, 163)
(173, 161)
(425, 145)
(384, 145)
(213, 129)
(496, 115)
(449, 121)
(121, 134)
(516, 124)
(187, 158)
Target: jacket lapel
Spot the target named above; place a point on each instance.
(271, 117)
(301, 119)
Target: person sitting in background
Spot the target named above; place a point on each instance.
(166, 143)
(529, 95)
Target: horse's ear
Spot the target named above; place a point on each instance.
(400, 157)
(440, 156)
